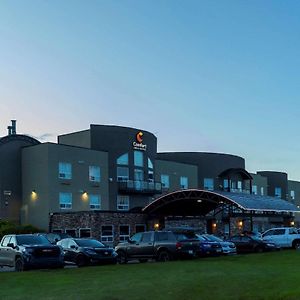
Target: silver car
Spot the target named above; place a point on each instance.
(227, 247)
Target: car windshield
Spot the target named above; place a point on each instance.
(201, 238)
(31, 240)
(89, 243)
(213, 238)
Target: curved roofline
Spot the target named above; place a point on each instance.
(242, 201)
(236, 171)
(13, 137)
(200, 152)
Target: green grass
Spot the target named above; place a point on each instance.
(255, 276)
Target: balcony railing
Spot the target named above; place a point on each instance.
(140, 187)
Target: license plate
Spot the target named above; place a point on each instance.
(105, 253)
(218, 250)
(191, 252)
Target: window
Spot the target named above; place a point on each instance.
(183, 182)
(65, 200)
(107, 234)
(147, 237)
(239, 185)
(150, 164)
(140, 228)
(278, 192)
(123, 159)
(162, 236)
(254, 189)
(209, 184)
(94, 173)
(138, 159)
(293, 195)
(150, 176)
(124, 232)
(71, 232)
(64, 170)
(122, 174)
(84, 232)
(95, 201)
(165, 181)
(225, 184)
(137, 237)
(138, 179)
(262, 190)
(6, 241)
(123, 202)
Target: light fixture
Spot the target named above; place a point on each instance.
(84, 196)
(199, 201)
(156, 226)
(240, 223)
(214, 225)
(292, 223)
(33, 195)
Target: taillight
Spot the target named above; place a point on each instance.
(178, 245)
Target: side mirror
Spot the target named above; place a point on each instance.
(11, 245)
(73, 247)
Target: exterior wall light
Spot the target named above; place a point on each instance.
(85, 196)
(292, 223)
(214, 225)
(33, 195)
(199, 201)
(156, 226)
(240, 223)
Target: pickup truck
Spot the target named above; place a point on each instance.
(158, 245)
(285, 237)
(27, 251)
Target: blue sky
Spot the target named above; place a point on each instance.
(219, 76)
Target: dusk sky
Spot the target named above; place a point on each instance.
(217, 76)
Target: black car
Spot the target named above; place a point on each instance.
(29, 251)
(83, 251)
(246, 244)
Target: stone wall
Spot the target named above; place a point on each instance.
(93, 220)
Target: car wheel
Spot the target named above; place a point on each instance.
(163, 256)
(296, 245)
(122, 258)
(19, 265)
(81, 261)
(143, 260)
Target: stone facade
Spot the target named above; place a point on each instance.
(94, 220)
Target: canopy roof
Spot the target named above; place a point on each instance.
(194, 202)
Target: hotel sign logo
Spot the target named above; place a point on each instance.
(138, 144)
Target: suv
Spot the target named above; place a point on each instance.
(285, 237)
(159, 245)
(27, 251)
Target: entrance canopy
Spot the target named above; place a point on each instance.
(194, 202)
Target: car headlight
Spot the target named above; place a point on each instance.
(27, 251)
(90, 252)
(270, 245)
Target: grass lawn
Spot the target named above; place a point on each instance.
(255, 276)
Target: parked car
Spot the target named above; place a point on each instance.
(159, 245)
(84, 251)
(208, 247)
(246, 244)
(286, 237)
(227, 247)
(28, 251)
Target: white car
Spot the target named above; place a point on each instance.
(227, 247)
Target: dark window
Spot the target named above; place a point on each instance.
(32, 240)
(245, 239)
(89, 243)
(64, 243)
(71, 232)
(140, 228)
(279, 231)
(84, 233)
(162, 236)
(147, 237)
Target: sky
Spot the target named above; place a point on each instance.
(213, 76)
